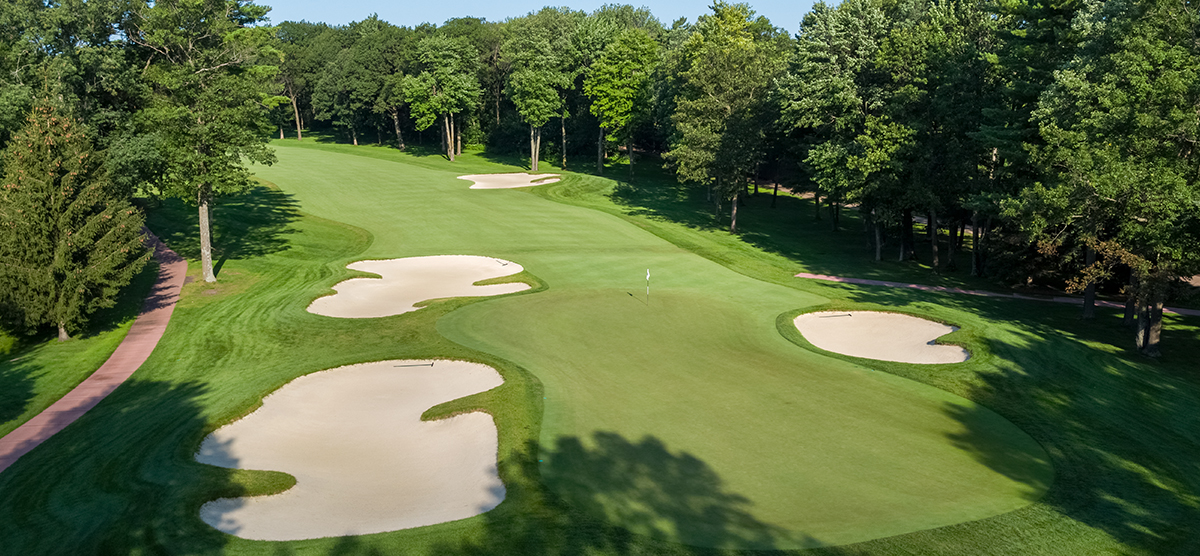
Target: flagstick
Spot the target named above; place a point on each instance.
(647, 286)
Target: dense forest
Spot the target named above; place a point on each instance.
(1052, 142)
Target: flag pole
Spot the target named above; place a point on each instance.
(647, 285)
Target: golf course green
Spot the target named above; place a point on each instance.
(696, 418)
(822, 451)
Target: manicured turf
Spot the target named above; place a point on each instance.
(631, 444)
(823, 452)
(32, 379)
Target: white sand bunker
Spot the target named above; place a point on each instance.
(364, 461)
(884, 336)
(405, 282)
(509, 181)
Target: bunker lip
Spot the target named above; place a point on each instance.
(509, 181)
(403, 283)
(364, 461)
(880, 335)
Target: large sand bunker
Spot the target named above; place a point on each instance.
(405, 282)
(884, 336)
(364, 461)
(509, 181)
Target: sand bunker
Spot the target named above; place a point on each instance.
(405, 282)
(884, 336)
(508, 181)
(364, 462)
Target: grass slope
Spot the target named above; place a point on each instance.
(33, 378)
(1120, 430)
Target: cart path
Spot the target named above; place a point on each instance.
(143, 336)
(1055, 299)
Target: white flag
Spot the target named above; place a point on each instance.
(647, 275)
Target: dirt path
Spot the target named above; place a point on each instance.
(134, 349)
(1056, 299)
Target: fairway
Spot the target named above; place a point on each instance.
(787, 448)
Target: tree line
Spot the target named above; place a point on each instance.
(1054, 139)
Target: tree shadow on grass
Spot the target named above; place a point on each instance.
(1122, 430)
(120, 480)
(603, 495)
(786, 226)
(254, 224)
(20, 368)
(16, 385)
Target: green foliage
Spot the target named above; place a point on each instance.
(728, 65)
(1120, 125)
(211, 69)
(618, 83)
(68, 240)
(542, 54)
(446, 83)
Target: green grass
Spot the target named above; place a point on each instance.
(698, 416)
(33, 378)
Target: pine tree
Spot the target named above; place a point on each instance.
(68, 240)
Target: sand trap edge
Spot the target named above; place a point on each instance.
(498, 491)
(925, 350)
(497, 181)
(506, 287)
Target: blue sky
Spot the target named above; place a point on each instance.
(409, 12)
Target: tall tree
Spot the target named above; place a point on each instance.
(619, 84)
(69, 239)
(832, 91)
(730, 60)
(541, 54)
(447, 85)
(211, 67)
(1121, 124)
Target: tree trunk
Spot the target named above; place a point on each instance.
(816, 205)
(835, 211)
(952, 246)
(62, 332)
(563, 120)
(933, 238)
(206, 262)
(1130, 320)
(878, 236)
(537, 148)
(354, 135)
(976, 262)
(600, 154)
(907, 242)
(296, 114)
(448, 134)
(1153, 329)
(1089, 292)
(733, 214)
(629, 150)
(775, 194)
(1141, 326)
(378, 136)
(498, 90)
(458, 138)
(396, 127)
(281, 132)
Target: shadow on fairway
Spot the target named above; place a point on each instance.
(16, 385)
(1122, 430)
(786, 226)
(142, 491)
(250, 225)
(20, 368)
(607, 495)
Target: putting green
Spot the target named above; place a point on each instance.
(807, 450)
